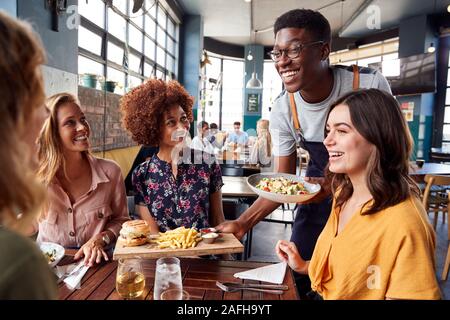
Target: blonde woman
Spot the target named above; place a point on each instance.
(86, 195)
(24, 273)
(262, 149)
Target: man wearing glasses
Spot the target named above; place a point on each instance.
(301, 50)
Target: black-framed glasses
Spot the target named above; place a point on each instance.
(292, 52)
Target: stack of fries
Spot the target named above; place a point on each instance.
(179, 238)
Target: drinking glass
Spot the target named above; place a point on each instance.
(175, 294)
(167, 276)
(130, 279)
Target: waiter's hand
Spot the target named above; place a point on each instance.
(325, 189)
(233, 226)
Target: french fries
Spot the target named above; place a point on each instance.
(179, 238)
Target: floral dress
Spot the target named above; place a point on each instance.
(180, 201)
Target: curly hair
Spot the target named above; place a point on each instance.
(144, 107)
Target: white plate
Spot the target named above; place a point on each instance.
(49, 247)
(254, 179)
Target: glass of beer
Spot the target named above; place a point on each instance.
(130, 279)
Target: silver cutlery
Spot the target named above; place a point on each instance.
(256, 285)
(238, 287)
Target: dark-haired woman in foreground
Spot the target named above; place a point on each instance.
(377, 243)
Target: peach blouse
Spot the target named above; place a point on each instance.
(103, 207)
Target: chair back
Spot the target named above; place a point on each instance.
(433, 179)
(232, 171)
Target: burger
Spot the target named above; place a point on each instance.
(134, 232)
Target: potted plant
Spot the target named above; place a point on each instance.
(109, 86)
(89, 80)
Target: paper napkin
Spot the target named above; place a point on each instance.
(273, 273)
(75, 273)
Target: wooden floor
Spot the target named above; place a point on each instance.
(266, 235)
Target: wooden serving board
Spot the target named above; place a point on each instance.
(226, 243)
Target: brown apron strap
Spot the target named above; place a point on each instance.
(296, 123)
(355, 77)
(294, 111)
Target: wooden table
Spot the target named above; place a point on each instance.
(199, 280)
(237, 187)
(428, 168)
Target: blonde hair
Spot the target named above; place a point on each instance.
(21, 92)
(263, 133)
(50, 154)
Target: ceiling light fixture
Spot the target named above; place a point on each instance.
(431, 48)
(250, 56)
(254, 82)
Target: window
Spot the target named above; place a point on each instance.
(210, 92)
(222, 79)
(89, 41)
(446, 127)
(130, 47)
(272, 87)
(382, 55)
(94, 11)
(232, 99)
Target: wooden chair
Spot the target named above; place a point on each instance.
(302, 159)
(447, 259)
(435, 197)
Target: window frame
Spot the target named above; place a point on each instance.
(106, 37)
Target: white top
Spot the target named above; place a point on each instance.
(202, 145)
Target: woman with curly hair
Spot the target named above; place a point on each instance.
(377, 243)
(177, 186)
(87, 202)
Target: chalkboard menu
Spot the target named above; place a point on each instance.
(253, 102)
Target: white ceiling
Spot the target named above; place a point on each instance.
(229, 20)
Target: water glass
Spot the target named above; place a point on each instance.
(130, 279)
(167, 276)
(175, 294)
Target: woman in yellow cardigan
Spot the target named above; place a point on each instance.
(377, 243)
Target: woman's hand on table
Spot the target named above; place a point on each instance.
(288, 252)
(93, 251)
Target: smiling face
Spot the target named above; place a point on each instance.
(298, 73)
(174, 128)
(349, 152)
(73, 128)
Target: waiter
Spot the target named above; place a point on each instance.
(311, 85)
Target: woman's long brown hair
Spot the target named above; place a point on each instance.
(376, 115)
(21, 92)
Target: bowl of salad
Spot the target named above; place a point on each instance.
(282, 187)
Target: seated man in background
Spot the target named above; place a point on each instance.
(201, 140)
(217, 137)
(237, 137)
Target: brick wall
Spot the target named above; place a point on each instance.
(93, 104)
